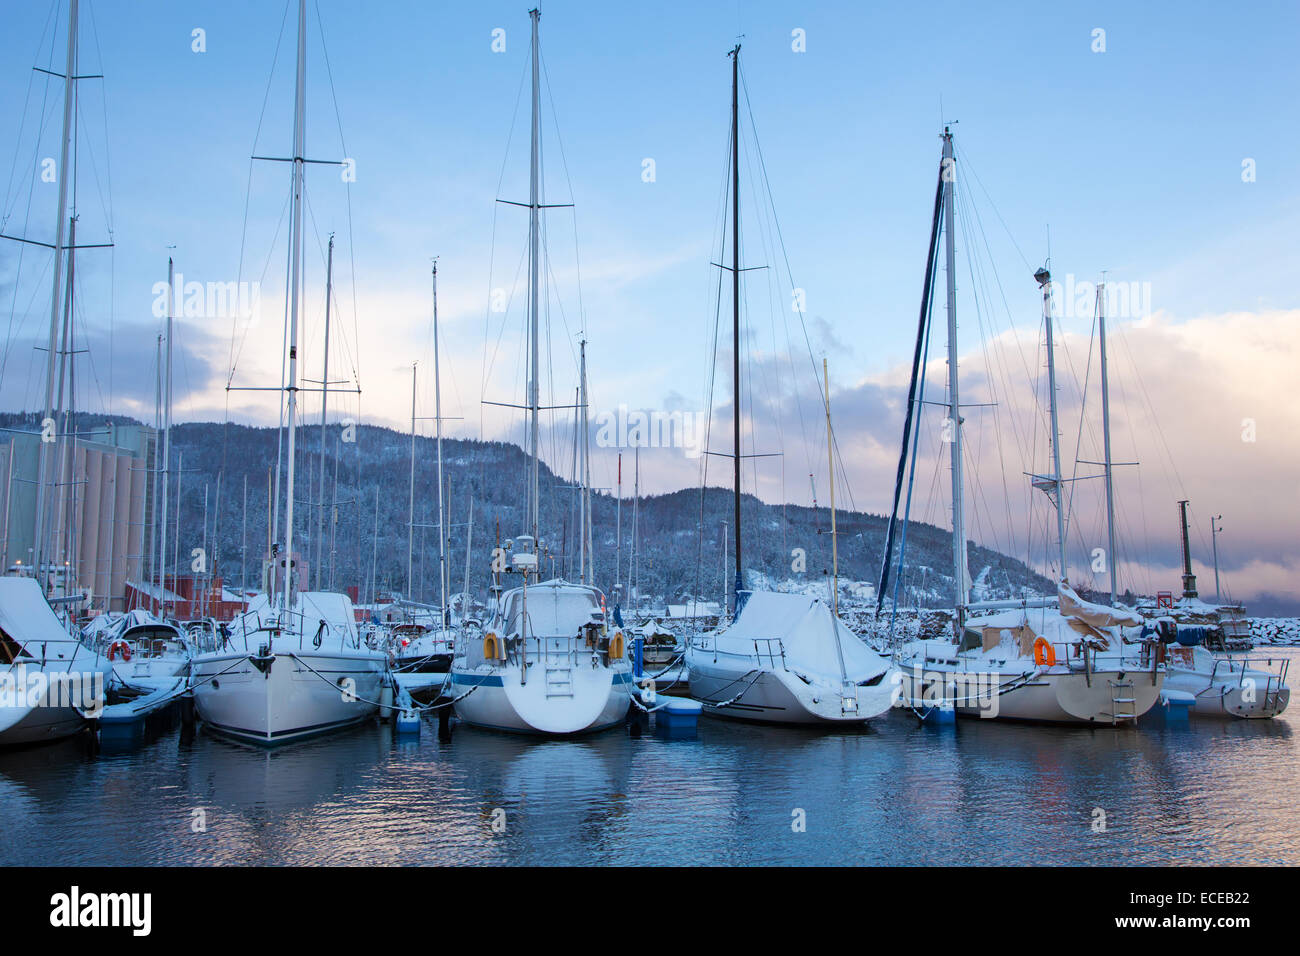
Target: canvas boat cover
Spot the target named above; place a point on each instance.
(336, 610)
(807, 630)
(1097, 615)
(27, 617)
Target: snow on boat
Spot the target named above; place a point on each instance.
(1067, 663)
(659, 644)
(289, 673)
(787, 659)
(1224, 685)
(125, 721)
(49, 680)
(417, 648)
(146, 649)
(547, 664)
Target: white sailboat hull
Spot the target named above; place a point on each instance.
(22, 726)
(286, 696)
(495, 697)
(1104, 697)
(1217, 696)
(53, 715)
(772, 695)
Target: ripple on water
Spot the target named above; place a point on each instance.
(984, 793)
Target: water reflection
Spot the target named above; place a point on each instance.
(1210, 791)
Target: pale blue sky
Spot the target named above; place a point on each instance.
(1133, 156)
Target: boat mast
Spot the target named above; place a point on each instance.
(374, 555)
(324, 402)
(835, 548)
(334, 513)
(534, 389)
(1105, 430)
(410, 512)
(584, 501)
(469, 543)
(52, 352)
(157, 432)
(437, 413)
(1044, 279)
(835, 541)
(618, 525)
(633, 577)
(167, 430)
(291, 386)
(735, 311)
(66, 420)
(243, 547)
(959, 558)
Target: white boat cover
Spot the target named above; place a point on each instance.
(27, 617)
(807, 630)
(334, 609)
(555, 608)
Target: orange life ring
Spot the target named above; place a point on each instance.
(493, 649)
(122, 646)
(1043, 653)
(617, 646)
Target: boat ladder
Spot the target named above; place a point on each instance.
(1273, 689)
(1123, 703)
(848, 698)
(558, 663)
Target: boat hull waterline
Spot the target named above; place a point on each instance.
(288, 695)
(1102, 697)
(780, 696)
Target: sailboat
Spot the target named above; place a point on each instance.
(294, 664)
(418, 647)
(50, 681)
(784, 658)
(1056, 659)
(548, 662)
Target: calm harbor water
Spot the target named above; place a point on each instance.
(1208, 792)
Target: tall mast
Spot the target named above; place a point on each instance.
(959, 558)
(299, 122)
(410, 512)
(835, 541)
(334, 514)
(835, 548)
(167, 428)
(1044, 279)
(243, 546)
(324, 401)
(437, 413)
(469, 543)
(48, 455)
(374, 555)
(534, 390)
(176, 542)
(157, 435)
(618, 525)
(735, 310)
(584, 501)
(66, 424)
(633, 578)
(1111, 556)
